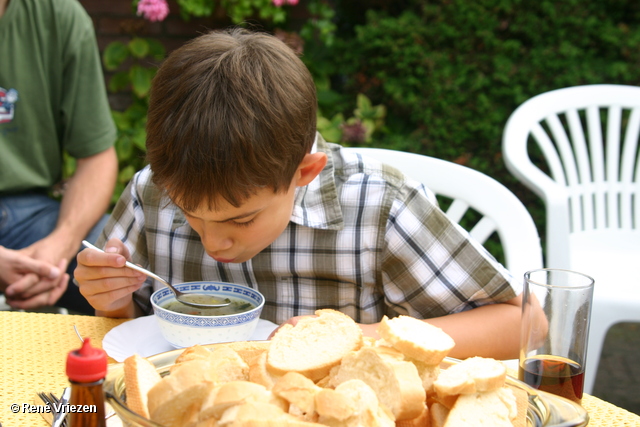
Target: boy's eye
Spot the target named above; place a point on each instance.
(244, 224)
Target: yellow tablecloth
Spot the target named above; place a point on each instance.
(34, 347)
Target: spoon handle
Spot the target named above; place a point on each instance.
(131, 265)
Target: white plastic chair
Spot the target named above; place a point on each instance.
(501, 211)
(589, 178)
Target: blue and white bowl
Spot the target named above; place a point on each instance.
(185, 330)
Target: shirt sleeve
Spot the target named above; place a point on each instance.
(88, 127)
(431, 266)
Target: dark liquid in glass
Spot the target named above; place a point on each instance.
(553, 374)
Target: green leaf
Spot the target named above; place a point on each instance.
(363, 102)
(369, 128)
(119, 81)
(140, 80)
(137, 111)
(331, 134)
(139, 138)
(338, 119)
(121, 120)
(124, 148)
(114, 55)
(139, 47)
(323, 123)
(126, 174)
(156, 49)
(196, 7)
(117, 193)
(69, 165)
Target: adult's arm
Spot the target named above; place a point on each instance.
(85, 200)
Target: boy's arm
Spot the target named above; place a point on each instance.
(432, 269)
(488, 331)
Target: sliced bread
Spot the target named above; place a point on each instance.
(258, 372)
(352, 404)
(438, 414)
(422, 420)
(476, 374)
(298, 390)
(396, 382)
(259, 414)
(184, 376)
(314, 345)
(235, 393)
(227, 365)
(248, 350)
(183, 407)
(140, 376)
(484, 409)
(416, 338)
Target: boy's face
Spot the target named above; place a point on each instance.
(231, 234)
(237, 234)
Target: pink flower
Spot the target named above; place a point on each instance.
(354, 132)
(153, 10)
(279, 3)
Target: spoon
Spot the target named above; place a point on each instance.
(191, 299)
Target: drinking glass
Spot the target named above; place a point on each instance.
(556, 311)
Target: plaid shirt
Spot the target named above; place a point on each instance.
(362, 239)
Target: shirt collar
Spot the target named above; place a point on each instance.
(316, 204)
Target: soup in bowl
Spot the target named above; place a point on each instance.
(185, 326)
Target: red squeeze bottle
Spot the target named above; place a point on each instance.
(86, 369)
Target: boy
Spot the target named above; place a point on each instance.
(241, 189)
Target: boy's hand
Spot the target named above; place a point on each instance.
(104, 280)
(293, 321)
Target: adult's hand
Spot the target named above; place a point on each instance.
(29, 282)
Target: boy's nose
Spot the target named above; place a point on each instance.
(214, 243)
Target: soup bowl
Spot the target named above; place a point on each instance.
(193, 326)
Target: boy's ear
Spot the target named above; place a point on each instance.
(310, 167)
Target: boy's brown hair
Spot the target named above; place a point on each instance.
(230, 113)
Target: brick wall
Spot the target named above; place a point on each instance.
(116, 20)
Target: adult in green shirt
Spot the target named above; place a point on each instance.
(52, 100)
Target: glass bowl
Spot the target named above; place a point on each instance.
(544, 409)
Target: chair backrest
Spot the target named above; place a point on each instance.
(502, 212)
(588, 172)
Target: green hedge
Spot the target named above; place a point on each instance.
(450, 72)
(438, 77)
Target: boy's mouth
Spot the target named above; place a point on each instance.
(225, 260)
